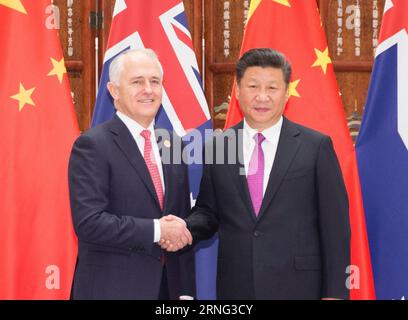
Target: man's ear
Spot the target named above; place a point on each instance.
(113, 90)
(236, 90)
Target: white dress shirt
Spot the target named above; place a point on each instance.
(269, 146)
(135, 130)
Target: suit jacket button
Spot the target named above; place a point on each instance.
(256, 234)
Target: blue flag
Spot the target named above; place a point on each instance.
(162, 26)
(382, 154)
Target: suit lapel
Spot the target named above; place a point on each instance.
(167, 180)
(237, 170)
(128, 146)
(167, 146)
(287, 148)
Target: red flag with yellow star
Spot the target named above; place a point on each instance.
(37, 128)
(294, 28)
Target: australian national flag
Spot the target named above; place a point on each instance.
(382, 152)
(162, 26)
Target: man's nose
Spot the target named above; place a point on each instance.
(262, 95)
(148, 87)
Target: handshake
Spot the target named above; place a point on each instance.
(174, 233)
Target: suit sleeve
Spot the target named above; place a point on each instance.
(186, 256)
(203, 221)
(334, 224)
(88, 175)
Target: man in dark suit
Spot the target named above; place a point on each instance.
(120, 189)
(282, 213)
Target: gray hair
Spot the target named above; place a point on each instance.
(116, 66)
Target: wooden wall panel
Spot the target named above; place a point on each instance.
(348, 32)
(227, 27)
(223, 28)
(354, 58)
(77, 41)
(222, 91)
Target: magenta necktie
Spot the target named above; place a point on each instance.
(256, 173)
(152, 166)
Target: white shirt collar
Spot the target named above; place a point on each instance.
(271, 134)
(134, 127)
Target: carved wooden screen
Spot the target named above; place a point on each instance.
(352, 28)
(78, 43)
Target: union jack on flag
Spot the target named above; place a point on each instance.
(162, 26)
(382, 153)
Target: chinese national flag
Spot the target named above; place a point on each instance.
(294, 28)
(37, 129)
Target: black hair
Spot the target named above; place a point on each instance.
(263, 57)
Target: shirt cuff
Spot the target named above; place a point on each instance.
(186, 298)
(157, 231)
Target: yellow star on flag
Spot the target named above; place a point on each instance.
(23, 97)
(293, 89)
(252, 7)
(323, 59)
(58, 69)
(14, 4)
(283, 2)
(255, 3)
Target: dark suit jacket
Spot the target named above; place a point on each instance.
(113, 204)
(299, 246)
